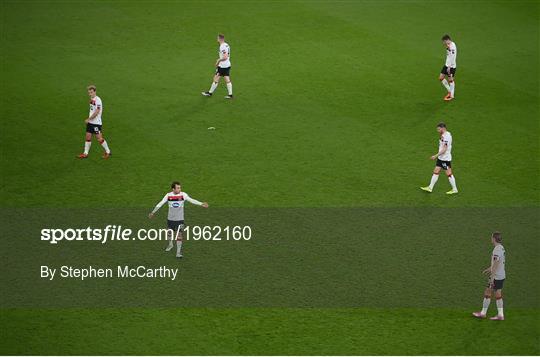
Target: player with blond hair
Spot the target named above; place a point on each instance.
(94, 124)
(496, 276)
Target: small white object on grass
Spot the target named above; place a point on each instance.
(211, 128)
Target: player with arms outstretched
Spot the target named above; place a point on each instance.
(93, 124)
(223, 68)
(497, 275)
(444, 160)
(175, 218)
(449, 68)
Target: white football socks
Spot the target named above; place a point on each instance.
(229, 88)
(452, 87)
(213, 87)
(178, 247)
(434, 179)
(87, 145)
(105, 146)
(452, 180)
(500, 307)
(445, 84)
(485, 305)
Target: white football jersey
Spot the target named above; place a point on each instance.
(498, 255)
(446, 139)
(176, 205)
(451, 55)
(95, 103)
(224, 49)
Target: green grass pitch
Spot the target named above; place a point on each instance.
(322, 150)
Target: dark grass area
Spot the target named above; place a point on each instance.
(296, 257)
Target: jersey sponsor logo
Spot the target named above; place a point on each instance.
(176, 198)
(175, 205)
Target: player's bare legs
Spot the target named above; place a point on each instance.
(170, 240)
(434, 179)
(87, 144)
(101, 140)
(179, 238)
(485, 305)
(448, 83)
(229, 87)
(452, 86)
(499, 301)
(445, 83)
(215, 83)
(452, 181)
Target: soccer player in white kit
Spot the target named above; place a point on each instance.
(444, 160)
(93, 125)
(223, 68)
(497, 275)
(449, 68)
(175, 217)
